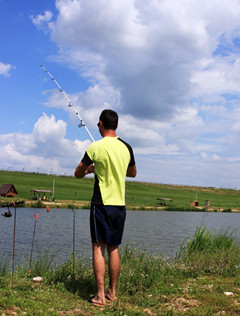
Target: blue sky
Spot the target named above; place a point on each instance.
(171, 69)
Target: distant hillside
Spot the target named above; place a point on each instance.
(137, 193)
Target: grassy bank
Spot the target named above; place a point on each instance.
(203, 279)
(70, 191)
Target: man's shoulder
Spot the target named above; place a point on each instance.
(94, 148)
(107, 141)
(96, 143)
(125, 143)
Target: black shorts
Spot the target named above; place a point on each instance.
(107, 223)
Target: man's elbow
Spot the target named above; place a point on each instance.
(132, 172)
(78, 173)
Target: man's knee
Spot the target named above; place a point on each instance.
(99, 247)
(111, 248)
(98, 244)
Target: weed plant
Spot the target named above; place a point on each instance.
(42, 265)
(4, 266)
(211, 253)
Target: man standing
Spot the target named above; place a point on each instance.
(111, 159)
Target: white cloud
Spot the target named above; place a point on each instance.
(5, 69)
(204, 155)
(216, 157)
(42, 21)
(45, 149)
(167, 68)
(217, 76)
(149, 55)
(189, 170)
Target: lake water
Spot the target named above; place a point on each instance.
(160, 233)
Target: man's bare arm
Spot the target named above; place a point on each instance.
(132, 171)
(82, 170)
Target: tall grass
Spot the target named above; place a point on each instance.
(143, 274)
(4, 266)
(211, 252)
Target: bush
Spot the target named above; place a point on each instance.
(227, 210)
(71, 206)
(38, 204)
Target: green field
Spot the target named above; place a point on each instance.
(138, 194)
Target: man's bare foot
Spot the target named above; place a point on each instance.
(110, 297)
(96, 301)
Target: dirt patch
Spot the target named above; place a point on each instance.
(181, 304)
(75, 311)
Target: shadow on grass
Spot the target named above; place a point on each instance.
(83, 287)
(79, 281)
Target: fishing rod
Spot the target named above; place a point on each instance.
(69, 103)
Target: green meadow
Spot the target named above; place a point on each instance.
(138, 194)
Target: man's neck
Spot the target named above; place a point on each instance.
(109, 133)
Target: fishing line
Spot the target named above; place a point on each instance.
(69, 103)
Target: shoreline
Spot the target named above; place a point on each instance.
(73, 204)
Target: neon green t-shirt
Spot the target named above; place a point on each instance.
(111, 157)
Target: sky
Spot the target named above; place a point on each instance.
(171, 70)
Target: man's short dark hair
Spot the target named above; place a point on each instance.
(109, 119)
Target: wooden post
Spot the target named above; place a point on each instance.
(14, 235)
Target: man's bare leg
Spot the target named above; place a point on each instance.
(114, 269)
(99, 270)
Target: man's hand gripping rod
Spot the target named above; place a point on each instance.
(69, 103)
